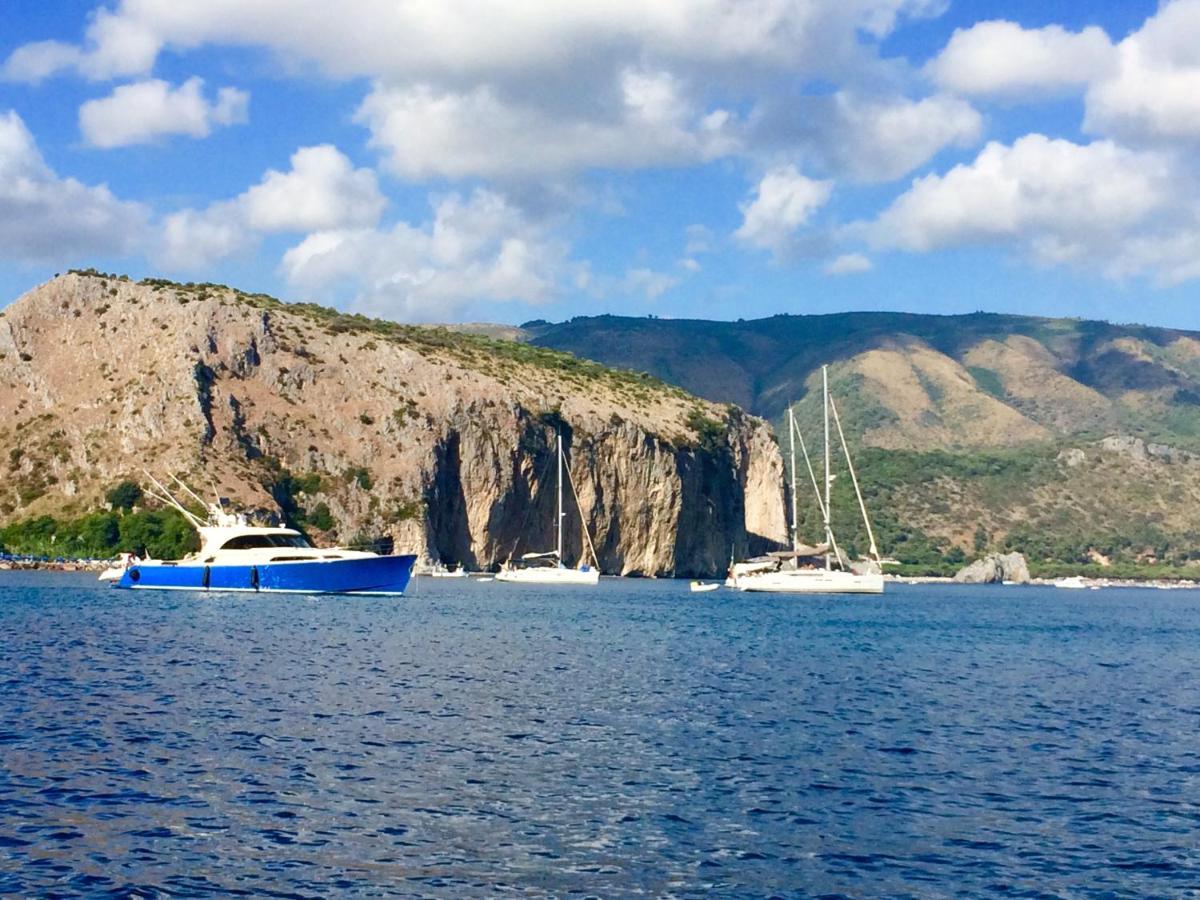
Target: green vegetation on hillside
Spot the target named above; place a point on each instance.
(163, 534)
(933, 511)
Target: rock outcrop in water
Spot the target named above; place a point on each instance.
(443, 442)
(994, 569)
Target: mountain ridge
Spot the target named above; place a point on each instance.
(965, 381)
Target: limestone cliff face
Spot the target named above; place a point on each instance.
(443, 442)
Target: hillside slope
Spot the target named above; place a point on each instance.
(361, 427)
(918, 381)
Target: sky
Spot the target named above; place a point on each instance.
(466, 160)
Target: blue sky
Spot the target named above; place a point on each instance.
(445, 160)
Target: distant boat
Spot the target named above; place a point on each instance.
(440, 571)
(699, 587)
(1074, 582)
(548, 567)
(800, 570)
(237, 556)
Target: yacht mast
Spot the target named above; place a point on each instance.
(560, 509)
(828, 478)
(792, 437)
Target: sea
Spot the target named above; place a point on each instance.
(634, 739)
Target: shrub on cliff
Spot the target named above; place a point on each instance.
(125, 495)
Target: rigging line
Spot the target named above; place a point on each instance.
(582, 524)
(812, 475)
(850, 465)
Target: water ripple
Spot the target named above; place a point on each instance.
(627, 741)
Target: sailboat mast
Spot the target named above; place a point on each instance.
(828, 477)
(792, 438)
(560, 509)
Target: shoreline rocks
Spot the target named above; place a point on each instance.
(995, 568)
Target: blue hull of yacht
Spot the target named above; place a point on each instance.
(371, 575)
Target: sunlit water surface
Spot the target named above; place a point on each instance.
(627, 739)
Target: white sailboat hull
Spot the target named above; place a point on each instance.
(546, 575)
(811, 581)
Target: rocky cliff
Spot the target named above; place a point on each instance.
(442, 441)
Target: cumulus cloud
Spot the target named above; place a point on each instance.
(116, 45)
(147, 110)
(1000, 57)
(1098, 204)
(1154, 92)
(321, 191)
(476, 248)
(504, 91)
(864, 137)
(494, 40)
(425, 133)
(1144, 89)
(784, 200)
(45, 218)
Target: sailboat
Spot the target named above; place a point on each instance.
(548, 567)
(799, 570)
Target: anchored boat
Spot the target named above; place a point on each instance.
(548, 567)
(237, 556)
(822, 569)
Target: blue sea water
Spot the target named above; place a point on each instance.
(630, 739)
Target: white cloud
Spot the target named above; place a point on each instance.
(502, 90)
(426, 133)
(848, 264)
(479, 248)
(141, 112)
(192, 240)
(999, 57)
(874, 140)
(1145, 89)
(322, 191)
(865, 137)
(490, 40)
(783, 201)
(1099, 205)
(648, 283)
(46, 218)
(37, 61)
(1154, 93)
(116, 45)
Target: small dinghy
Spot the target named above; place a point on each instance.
(699, 587)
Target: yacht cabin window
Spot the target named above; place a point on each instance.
(254, 541)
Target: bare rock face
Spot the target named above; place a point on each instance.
(995, 568)
(442, 442)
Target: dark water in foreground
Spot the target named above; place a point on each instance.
(484, 738)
